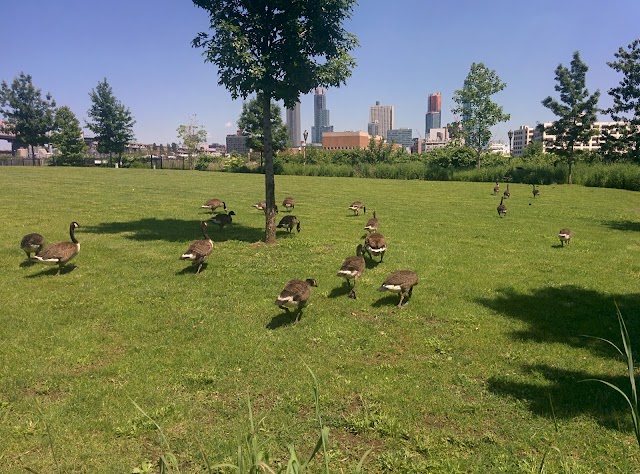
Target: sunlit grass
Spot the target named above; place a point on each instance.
(458, 381)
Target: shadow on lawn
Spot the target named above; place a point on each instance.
(177, 230)
(564, 314)
(283, 319)
(52, 271)
(569, 396)
(341, 290)
(623, 225)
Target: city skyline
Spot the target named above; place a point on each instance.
(155, 72)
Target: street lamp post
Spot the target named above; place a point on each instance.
(510, 135)
(304, 150)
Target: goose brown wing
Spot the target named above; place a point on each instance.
(297, 289)
(403, 278)
(376, 241)
(200, 247)
(353, 264)
(59, 251)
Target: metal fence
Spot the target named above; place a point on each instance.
(154, 163)
(23, 162)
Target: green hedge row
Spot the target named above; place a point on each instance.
(620, 176)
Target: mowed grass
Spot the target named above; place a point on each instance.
(479, 373)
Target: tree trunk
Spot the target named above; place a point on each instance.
(571, 168)
(269, 180)
(478, 160)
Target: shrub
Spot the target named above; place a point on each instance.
(619, 176)
(205, 162)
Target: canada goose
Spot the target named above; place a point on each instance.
(502, 209)
(401, 282)
(375, 244)
(222, 219)
(32, 243)
(507, 193)
(262, 206)
(372, 224)
(496, 188)
(295, 295)
(199, 250)
(213, 204)
(352, 269)
(356, 206)
(536, 192)
(62, 252)
(565, 235)
(289, 203)
(289, 222)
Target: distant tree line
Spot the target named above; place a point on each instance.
(36, 120)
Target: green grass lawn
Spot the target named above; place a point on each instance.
(479, 373)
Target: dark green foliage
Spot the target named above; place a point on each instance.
(576, 110)
(619, 176)
(110, 121)
(251, 123)
(28, 115)
(532, 150)
(452, 156)
(67, 138)
(279, 50)
(626, 108)
(204, 161)
(479, 113)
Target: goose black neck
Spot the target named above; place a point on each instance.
(204, 231)
(72, 234)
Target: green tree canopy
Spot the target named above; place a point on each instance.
(576, 110)
(67, 137)
(251, 123)
(622, 141)
(479, 113)
(280, 50)
(28, 115)
(110, 121)
(532, 150)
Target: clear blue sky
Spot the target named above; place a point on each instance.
(408, 49)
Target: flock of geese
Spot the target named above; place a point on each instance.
(565, 235)
(295, 293)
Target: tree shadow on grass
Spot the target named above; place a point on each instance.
(623, 225)
(176, 230)
(563, 389)
(565, 314)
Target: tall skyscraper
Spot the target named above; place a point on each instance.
(433, 118)
(381, 120)
(320, 116)
(293, 125)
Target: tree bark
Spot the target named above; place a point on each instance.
(570, 179)
(269, 179)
